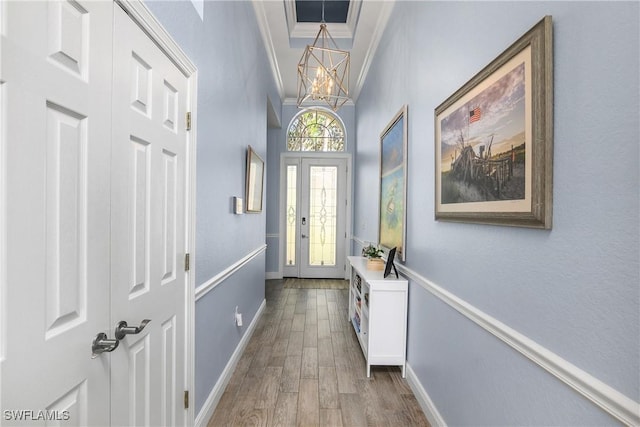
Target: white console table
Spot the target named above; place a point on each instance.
(378, 312)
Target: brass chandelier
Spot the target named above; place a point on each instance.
(323, 72)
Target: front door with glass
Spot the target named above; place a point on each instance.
(315, 217)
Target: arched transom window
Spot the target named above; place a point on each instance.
(315, 130)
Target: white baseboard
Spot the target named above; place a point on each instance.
(429, 409)
(210, 404)
(273, 275)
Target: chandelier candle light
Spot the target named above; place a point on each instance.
(323, 72)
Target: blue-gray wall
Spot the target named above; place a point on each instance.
(573, 289)
(234, 83)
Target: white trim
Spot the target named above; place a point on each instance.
(359, 240)
(293, 102)
(383, 18)
(616, 404)
(210, 284)
(3, 207)
(427, 405)
(141, 14)
(191, 245)
(212, 401)
(263, 25)
(271, 275)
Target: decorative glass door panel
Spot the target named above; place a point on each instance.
(291, 215)
(323, 192)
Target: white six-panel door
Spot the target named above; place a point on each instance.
(93, 217)
(148, 229)
(56, 73)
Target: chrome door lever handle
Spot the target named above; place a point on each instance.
(102, 344)
(122, 329)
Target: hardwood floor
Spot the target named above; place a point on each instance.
(304, 367)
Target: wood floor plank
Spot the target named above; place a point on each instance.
(269, 333)
(321, 297)
(310, 336)
(279, 352)
(242, 368)
(290, 381)
(269, 387)
(251, 417)
(339, 344)
(311, 317)
(301, 304)
(260, 361)
(345, 374)
(286, 411)
(246, 398)
(296, 341)
(298, 322)
(308, 406)
(328, 388)
(288, 311)
(352, 410)
(324, 330)
(336, 318)
(331, 417)
(387, 397)
(224, 411)
(309, 367)
(325, 352)
(312, 299)
(413, 411)
(401, 385)
(284, 329)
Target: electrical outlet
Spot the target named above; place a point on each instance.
(237, 317)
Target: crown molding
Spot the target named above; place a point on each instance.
(261, 17)
(294, 102)
(376, 37)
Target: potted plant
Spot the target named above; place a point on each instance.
(374, 257)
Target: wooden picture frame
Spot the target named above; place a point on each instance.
(254, 181)
(494, 139)
(392, 213)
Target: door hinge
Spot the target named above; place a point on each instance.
(188, 120)
(186, 262)
(186, 399)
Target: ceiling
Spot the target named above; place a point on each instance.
(285, 38)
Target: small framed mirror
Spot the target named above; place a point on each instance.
(255, 180)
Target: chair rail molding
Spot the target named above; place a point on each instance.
(210, 284)
(616, 404)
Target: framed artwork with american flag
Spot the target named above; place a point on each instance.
(494, 139)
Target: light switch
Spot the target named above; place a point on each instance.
(237, 206)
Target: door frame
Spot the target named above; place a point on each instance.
(282, 242)
(142, 16)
